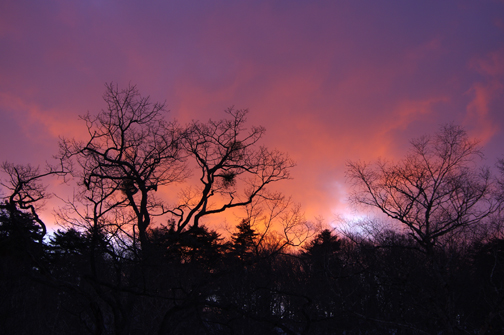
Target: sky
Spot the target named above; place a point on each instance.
(331, 81)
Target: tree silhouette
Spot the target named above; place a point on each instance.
(243, 241)
(436, 190)
(126, 262)
(232, 169)
(438, 193)
(132, 150)
(25, 191)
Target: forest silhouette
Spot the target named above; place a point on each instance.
(127, 261)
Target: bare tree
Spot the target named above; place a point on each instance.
(279, 226)
(233, 170)
(132, 150)
(25, 191)
(436, 190)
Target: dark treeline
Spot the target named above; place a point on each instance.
(126, 262)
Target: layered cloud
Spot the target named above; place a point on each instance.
(331, 81)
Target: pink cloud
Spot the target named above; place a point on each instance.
(485, 94)
(330, 81)
(52, 123)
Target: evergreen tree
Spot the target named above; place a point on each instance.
(243, 241)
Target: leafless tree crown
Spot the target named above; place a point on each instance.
(435, 190)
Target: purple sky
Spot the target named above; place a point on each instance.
(331, 81)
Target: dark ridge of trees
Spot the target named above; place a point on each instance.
(125, 262)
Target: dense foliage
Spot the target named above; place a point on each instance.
(196, 283)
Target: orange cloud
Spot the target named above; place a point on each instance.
(55, 123)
